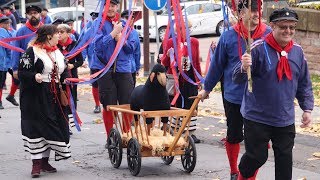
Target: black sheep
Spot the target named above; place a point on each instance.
(152, 96)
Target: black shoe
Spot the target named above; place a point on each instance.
(97, 109)
(195, 139)
(12, 100)
(1, 107)
(234, 176)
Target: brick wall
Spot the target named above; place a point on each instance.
(310, 42)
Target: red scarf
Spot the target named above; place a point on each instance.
(73, 31)
(8, 14)
(48, 48)
(283, 64)
(65, 45)
(33, 29)
(242, 31)
(113, 19)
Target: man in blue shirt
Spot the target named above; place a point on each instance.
(279, 74)
(231, 46)
(117, 84)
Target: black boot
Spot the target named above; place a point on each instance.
(234, 176)
(46, 167)
(36, 168)
(97, 109)
(1, 107)
(195, 139)
(11, 99)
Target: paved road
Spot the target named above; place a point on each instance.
(90, 159)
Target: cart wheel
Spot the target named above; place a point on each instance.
(114, 144)
(167, 159)
(134, 156)
(189, 159)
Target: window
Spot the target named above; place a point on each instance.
(194, 9)
(208, 8)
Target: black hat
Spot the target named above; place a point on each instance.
(68, 21)
(59, 20)
(4, 19)
(33, 8)
(125, 13)
(244, 4)
(283, 14)
(45, 9)
(114, 1)
(94, 14)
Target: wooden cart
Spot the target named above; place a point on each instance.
(137, 142)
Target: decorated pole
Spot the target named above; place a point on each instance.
(249, 47)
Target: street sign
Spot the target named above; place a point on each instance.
(155, 5)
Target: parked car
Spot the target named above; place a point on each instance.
(206, 18)
(68, 13)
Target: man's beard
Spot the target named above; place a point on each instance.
(34, 21)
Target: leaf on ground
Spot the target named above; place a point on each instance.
(312, 159)
(316, 154)
(216, 135)
(206, 129)
(75, 162)
(97, 121)
(222, 121)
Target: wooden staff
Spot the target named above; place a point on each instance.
(249, 48)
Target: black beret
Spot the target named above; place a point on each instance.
(4, 19)
(114, 1)
(68, 21)
(59, 20)
(283, 14)
(94, 14)
(45, 9)
(244, 4)
(33, 8)
(125, 13)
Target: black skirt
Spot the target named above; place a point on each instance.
(43, 122)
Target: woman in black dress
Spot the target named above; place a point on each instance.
(43, 121)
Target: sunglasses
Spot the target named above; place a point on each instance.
(293, 27)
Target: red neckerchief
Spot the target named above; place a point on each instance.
(49, 48)
(1, 15)
(283, 64)
(73, 31)
(65, 45)
(8, 14)
(33, 28)
(242, 31)
(113, 19)
(43, 19)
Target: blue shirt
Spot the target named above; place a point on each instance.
(272, 101)
(224, 59)
(22, 43)
(5, 53)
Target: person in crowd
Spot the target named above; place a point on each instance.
(94, 16)
(279, 74)
(58, 20)
(5, 53)
(229, 50)
(66, 44)
(91, 57)
(70, 22)
(42, 70)
(187, 89)
(7, 12)
(45, 19)
(135, 62)
(28, 30)
(116, 85)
